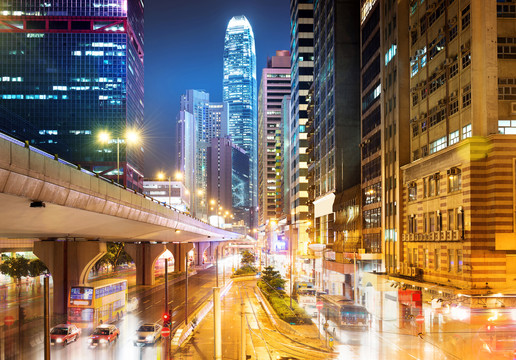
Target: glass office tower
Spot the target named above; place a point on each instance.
(70, 70)
(240, 92)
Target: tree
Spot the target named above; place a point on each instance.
(116, 255)
(273, 278)
(248, 258)
(15, 267)
(37, 267)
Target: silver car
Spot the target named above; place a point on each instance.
(148, 334)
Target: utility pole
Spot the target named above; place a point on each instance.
(242, 328)
(291, 243)
(166, 285)
(186, 289)
(217, 265)
(46, 318)
(217, 324)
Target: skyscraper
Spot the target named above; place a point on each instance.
(239, 91)
(70, 70)
(275, 84)
(301, 65)
(210, 121)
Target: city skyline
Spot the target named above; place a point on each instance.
(203, 67)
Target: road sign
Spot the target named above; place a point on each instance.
(420, 319)
(8, 320)
(319, 305)
(165, 332)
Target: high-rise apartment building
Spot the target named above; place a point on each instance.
(459, 227)
(336, 125)
(275, 84)
(301, 67)
(210, 121)
(186, 150)
(239, 91)
(70, 70)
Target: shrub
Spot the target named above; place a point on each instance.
(244, 270)
(281, 305)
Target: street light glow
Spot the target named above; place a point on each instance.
(132, 137)
(179, 176)
(104, 137)
(161, 176)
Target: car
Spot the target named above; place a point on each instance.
(64, 334)
(132, 304)
(148, 334)
(104, 334)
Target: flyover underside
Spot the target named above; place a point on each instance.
(19, 220)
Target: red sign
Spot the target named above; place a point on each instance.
(165, 332)
(8, 320)
(420, 319)
(319, 305)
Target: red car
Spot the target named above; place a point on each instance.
(64, 334)
(104, 334)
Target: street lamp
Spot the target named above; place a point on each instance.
(161, 177)
(130, 137)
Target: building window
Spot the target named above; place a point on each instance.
(453, 33)
(459, 261)
(412, 191)
(454, 107)
(465, 18)
(423, 125)
(454, 137)
(437, 259)
(372, 218)
(426, 258)
(466, 59)
(415, 130)
(414, 257)
(466, 132)
(437, 145)
(451, 217)
(415, 155)
(431, 222)
(507, 127)
(506, 48)
(454, 179)
(454, 69)
(466, 96)
(425, 187)
(431, 187)
(424, 150)
(451, 261)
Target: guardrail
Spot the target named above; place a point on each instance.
(91, 173)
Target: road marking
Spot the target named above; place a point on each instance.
(146, 301)
(147, 308)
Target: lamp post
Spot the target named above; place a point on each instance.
(131, 137)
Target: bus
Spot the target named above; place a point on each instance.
(99, 303)
(305, 294)
(342, 313)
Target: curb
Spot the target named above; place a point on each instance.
(183, 333)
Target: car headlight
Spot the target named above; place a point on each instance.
(149, 338)
(90, 340)
(59, 340)
(103, 341)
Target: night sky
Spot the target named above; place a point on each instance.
(184, 42)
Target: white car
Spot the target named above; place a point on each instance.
(148, 334)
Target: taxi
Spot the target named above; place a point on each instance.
(63, 334)
(104, 334)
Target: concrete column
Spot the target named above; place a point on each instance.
(201, 248)
(144, 256)
(69, 263)
(179, 251)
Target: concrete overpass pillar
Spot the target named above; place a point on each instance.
(69, 263)
(180, 251)
(144, 256)
(201, 248)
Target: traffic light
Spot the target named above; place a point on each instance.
(166, 319)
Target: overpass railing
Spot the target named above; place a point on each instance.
(91, 173)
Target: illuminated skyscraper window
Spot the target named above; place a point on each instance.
(240, 92)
